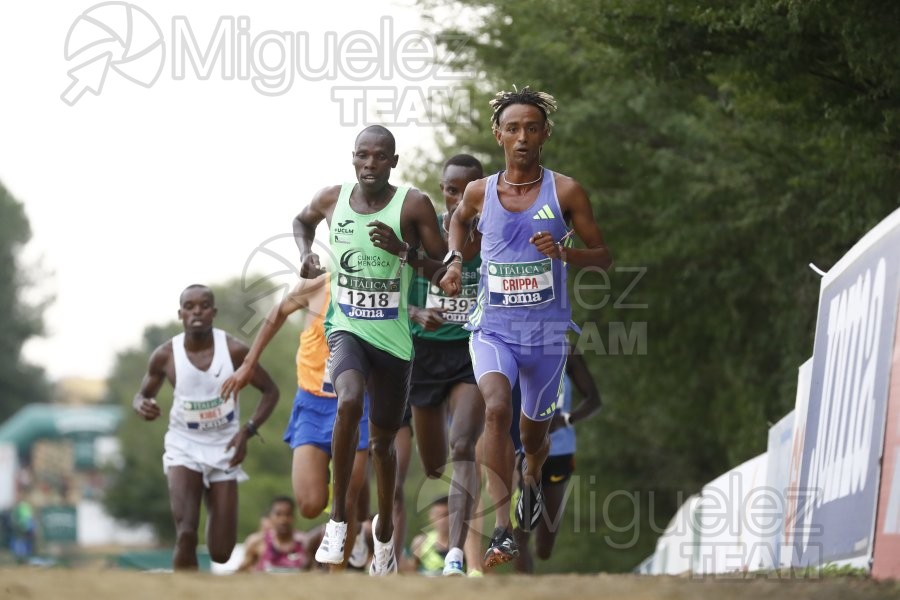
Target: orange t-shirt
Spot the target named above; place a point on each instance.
(312, 355)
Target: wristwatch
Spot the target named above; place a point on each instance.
(451, 256)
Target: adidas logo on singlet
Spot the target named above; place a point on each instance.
(544, 213)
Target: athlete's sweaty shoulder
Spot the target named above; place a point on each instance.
(162, 356)
(321, 206)
(474, 193)
(236, 349)
(162, 363)
(415, 198)
(417, 207)
(569, 192)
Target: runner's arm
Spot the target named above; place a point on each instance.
(144, 402)
(460, 225)
(298, 299)
(262, 381)
(304, 225)
(575, 202)
(252, 552)
(590, 404)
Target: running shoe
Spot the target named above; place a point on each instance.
(453, 563)
(529, 507)
(502, 549)
(360, 553)
(384, 562)
(331, 549)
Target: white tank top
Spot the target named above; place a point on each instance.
(198, 412)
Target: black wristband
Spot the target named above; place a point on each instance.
(251, 428)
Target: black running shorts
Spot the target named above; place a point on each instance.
(437, 367)
(386, 376)
(557, 469)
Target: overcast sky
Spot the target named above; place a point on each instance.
(183, 164)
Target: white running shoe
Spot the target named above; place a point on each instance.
(331, 550)
(360, 553)
(453, 563)
(384, 562)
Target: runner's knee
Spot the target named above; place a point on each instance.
(312, 502)
(498, 414)
(381, 444)
(462, 448)
(350, 409)
(534, 442)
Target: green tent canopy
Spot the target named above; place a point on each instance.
(51, 421)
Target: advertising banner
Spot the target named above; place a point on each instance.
(839, 472)
(778, 482)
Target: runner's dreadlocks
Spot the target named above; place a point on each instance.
(542, 100)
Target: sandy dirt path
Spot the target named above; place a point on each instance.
(110, 584)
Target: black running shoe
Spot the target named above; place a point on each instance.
(529, 507)
(502, 549)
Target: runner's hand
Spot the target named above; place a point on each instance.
(239, 443)
(451, 282)
(545, 244)
(237, 381)
(146, 408)
(384, 237)
(310, 267)
(429, 318)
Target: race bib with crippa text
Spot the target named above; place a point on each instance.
(520, 284)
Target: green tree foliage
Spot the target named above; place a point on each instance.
(137, 492)
(20, 382)
(725, 146)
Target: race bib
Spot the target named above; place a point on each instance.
(208, 414)
(368, 299)
(520, 284)
(457, 309)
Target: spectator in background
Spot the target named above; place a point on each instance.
(22, 530)
(280, 548)
(430, 547)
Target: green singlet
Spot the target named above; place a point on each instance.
(369, 288)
